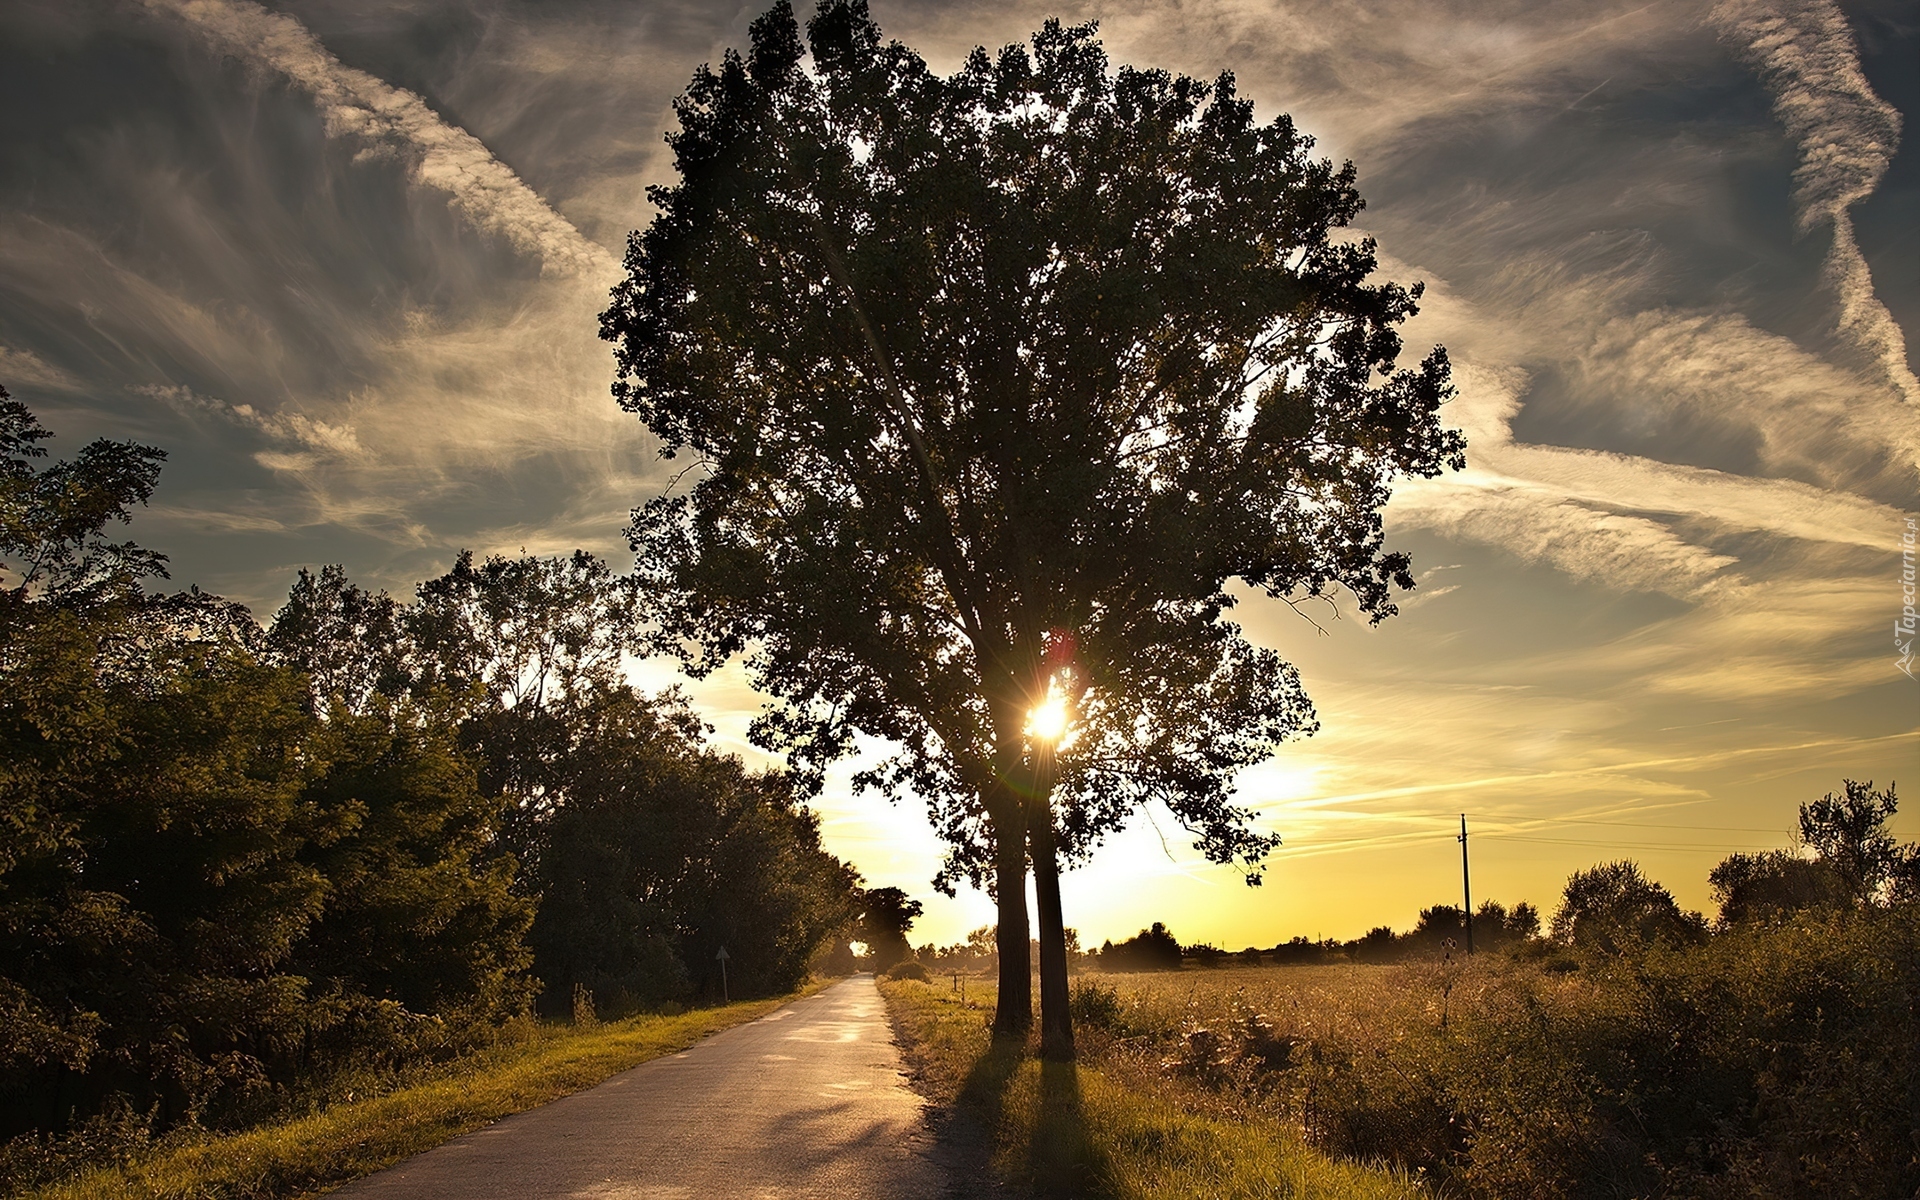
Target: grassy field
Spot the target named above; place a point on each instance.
(1087, 1131)
(311, 1154)
(1766, 1062)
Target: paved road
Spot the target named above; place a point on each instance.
(808, 1101)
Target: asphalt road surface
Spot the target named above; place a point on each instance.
(808, 1101)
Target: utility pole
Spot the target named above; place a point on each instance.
(1466, 886)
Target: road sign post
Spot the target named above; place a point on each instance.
(722, 957)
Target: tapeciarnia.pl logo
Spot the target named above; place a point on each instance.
(1903, 625)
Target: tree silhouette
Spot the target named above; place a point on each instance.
(1773, 884)
(1849, 832)
(1856, 861)
(1612, 908)
(53, 521)
(886, 916)
(206, 889)
(992, 383)
(1152, 949)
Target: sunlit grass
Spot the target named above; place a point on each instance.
(1081, 1131)
(1772, 1060)
(1366, 1003)
(312, 1154)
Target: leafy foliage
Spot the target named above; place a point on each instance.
(1643, 1055)
(1613, 908)
(646, 851)
(663, 853)
(237, 864)
(970, 360)
(348, 642)
(1773, 884)
(421, 909)
(1855, 862)
(216, 894)
(52, 522)
(886, 917)
(1849, 833)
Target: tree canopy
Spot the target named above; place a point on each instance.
(1855, 862)
(53, 521)
(992, 383)
(886, 917)
(1613, 907)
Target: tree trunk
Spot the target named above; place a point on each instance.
(1013, 1010)
(1056, 1017)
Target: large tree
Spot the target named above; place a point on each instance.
(992, 383)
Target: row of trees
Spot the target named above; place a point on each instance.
(235, 859)
(1437, 933)
(1848, 860)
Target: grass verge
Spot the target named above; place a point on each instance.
(308, 1155)
(1072, 1130)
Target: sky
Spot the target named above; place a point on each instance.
(343, 259)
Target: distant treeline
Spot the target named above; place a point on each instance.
(239, 861)
(1849, 859)
(1440, 931)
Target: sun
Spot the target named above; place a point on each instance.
(1048, 720)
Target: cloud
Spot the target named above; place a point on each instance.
(1782, 640)
(1634, 524)
(24, 368)
(1813, 418)
(221, 520)
(1806, 55)
(1569, 507)
(388, 120)
(1614, 550)
(1380, 82)
(311, 438)
(1740, 502)
(120, 314)
(1847, 135)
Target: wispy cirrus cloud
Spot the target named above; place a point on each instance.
(1811, 418)
(1542, 523)
(24, 368)
(388, 120)
(287, 430)
(1608, 517)
(391, 377)
(1847, 136)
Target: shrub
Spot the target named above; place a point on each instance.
(910, 968)
(1772, 885)
(1205, 954)
(1097, 1007)
(1768, 1060)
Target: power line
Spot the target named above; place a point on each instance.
(1714, 847)
(1651, 825)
